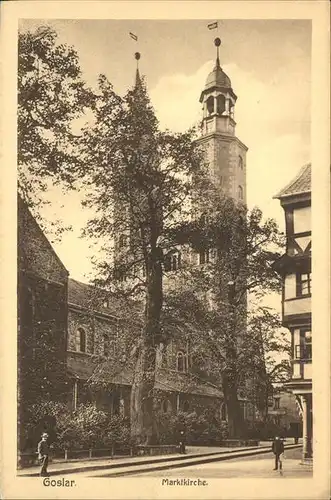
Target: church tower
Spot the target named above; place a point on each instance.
(225, 153)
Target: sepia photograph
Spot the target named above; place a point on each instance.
(164, 253)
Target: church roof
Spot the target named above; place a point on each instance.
(165, 380)
(92, 298)
(35, 252)
(217, 78)
(299, 185)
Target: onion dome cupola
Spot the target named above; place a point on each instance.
(218, 100)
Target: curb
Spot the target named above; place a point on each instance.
(201, 460)
(189, 459)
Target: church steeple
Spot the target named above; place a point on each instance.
(225, 153)
(218, 100)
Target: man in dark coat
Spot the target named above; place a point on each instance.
(43, 452)
(278, 449)
(182, 442)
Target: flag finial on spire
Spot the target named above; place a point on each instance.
(138, 79)
(217, 43)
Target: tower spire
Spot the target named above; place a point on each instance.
(217, 43)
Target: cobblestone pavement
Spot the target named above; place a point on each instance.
(258, 466)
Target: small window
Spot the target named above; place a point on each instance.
(240, 193)
(80, 340)
(240, 163)
(220, 103)
(303, 284)
(204, 256)
(204, 219)
(307, 351)
(304, 350)
(106, 303)
(210, 105)
(166, 406)
(297, 351)
(186, 406)
(122, 241)
(172, 261)
(276, 404)
(181, 362)
(105, 345)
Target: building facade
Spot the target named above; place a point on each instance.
(295, 268)
(42, 291)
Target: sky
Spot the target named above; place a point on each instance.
(268, 62)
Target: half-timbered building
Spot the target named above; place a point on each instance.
(295, 268)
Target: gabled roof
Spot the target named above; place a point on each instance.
(299, 185)
(35, 252)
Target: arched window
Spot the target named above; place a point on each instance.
(166, 406)
(105, 345)
(240, 193)
(240, 163)
(210, 104)
(186, 406)
(220, 100)
(80, 340)
(181, 362)
(223, 412)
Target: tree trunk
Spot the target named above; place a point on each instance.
(235, 417)
(142, 422)
(143, 428)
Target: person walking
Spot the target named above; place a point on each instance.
(43, 452)
(278, 449)
(182, 442)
